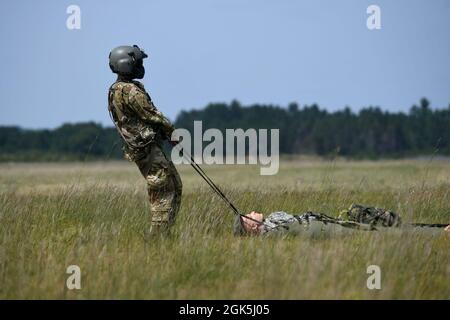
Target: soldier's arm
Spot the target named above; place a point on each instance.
(141, 104)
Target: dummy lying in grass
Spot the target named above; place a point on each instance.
(357, 217)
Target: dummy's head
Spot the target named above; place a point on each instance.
(243, 226)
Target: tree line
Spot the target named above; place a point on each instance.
(369, 133)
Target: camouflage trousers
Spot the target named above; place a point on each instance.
(163, 185)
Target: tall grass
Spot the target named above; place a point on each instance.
(95, 216)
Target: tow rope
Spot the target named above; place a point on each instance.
(213, 186)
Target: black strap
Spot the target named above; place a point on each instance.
(430, 225)
(214, 187)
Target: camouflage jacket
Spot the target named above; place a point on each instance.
(136, 118)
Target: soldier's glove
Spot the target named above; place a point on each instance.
(175, 142)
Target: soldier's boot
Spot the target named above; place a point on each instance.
(161, 228)
(157, 230)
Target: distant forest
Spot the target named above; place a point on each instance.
(369, 133)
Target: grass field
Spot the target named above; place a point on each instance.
(94, 215)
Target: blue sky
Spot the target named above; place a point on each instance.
(215, 51)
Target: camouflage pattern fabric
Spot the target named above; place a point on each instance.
(136, 118)
(163, 185)
(143, 128)
(357, 217)
(309, 223)
(371, 215)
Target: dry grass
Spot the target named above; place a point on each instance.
(94, 215)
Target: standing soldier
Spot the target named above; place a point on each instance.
(143, 129)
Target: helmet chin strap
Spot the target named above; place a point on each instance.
(122, 77)
(139, 72)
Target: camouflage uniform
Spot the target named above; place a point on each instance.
(313, 224)
(309, 224)
(143, 129)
